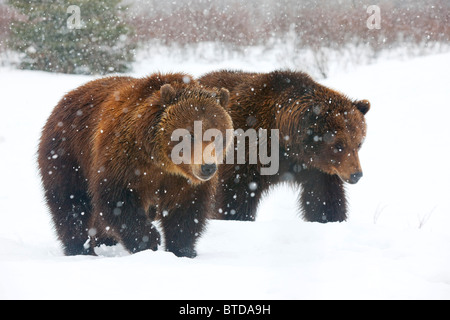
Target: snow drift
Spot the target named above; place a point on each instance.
(394, 246)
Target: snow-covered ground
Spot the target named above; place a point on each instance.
(396, 244)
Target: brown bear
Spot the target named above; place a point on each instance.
(320, 133)
(106, 166)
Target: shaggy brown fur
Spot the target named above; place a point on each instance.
(104, 159)
(320, 130)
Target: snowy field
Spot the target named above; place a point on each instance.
(396, 244)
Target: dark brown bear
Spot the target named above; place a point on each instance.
(106, 167)
(320, 132)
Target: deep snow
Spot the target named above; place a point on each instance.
(394, 246)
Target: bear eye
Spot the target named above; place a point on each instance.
(338, 147)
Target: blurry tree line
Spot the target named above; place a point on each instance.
(113, 29)
(316, 23)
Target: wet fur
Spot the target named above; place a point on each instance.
(301, 109)
(104, 164)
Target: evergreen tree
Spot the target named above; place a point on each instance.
(72, 36)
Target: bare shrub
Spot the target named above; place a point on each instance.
(323, 28)
(320, 27)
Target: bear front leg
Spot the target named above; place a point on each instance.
(238, 196)
(323, 197)
(123, 218)
(184, 224)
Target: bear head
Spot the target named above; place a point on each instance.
(335, 136)
(189, 114)
(326, 131)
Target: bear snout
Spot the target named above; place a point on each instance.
(208, 169)
(354, 177)
(204, 172)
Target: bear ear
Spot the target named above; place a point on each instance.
(363, 106)
(167, 94)
(224, 97)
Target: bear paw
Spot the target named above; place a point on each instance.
(149, 241)
(187, 252)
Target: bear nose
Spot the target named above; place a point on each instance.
(354, 177)
(209, 169)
